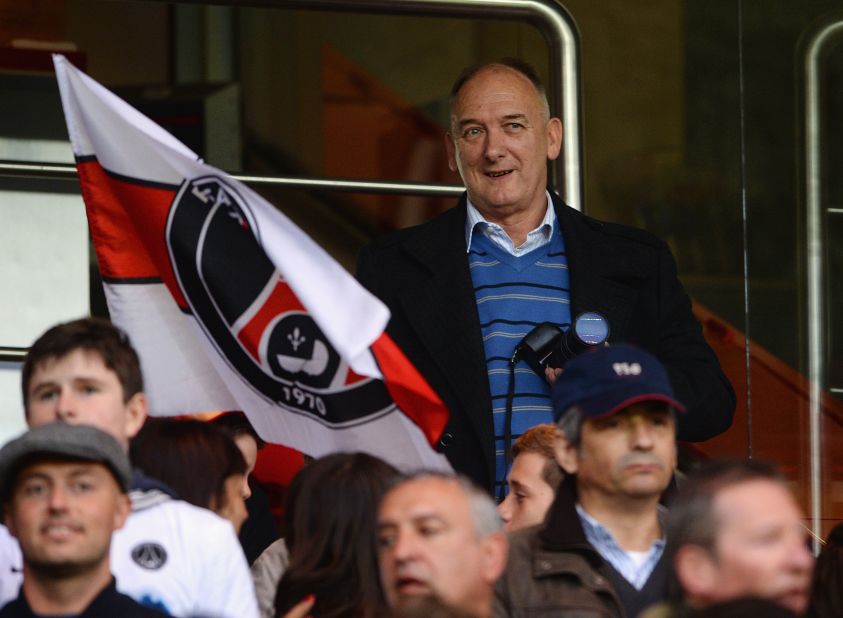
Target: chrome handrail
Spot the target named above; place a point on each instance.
(549, 16)
(814, 253)
(67, 171)
(14, 355)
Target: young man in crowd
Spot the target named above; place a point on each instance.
(63, 495)
(533, 478)
(600, 549)
(170, 555)
(440, 536)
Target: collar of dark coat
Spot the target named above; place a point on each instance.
(562, 530)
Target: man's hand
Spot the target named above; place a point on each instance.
(551, 373)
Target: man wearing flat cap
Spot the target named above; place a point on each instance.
(63, 495)
(600, 550)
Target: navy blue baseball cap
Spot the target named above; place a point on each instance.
(605, 380)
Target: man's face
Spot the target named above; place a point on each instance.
(80, 389)
(500, 142)
(529, 494)
(428, 547)
(63, 514)
(761, 547)
(631, 454)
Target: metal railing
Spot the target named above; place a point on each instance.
(814, 46)
(548, 16)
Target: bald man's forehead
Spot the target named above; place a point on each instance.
(425, 498)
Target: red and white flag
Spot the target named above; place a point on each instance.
(229, 304)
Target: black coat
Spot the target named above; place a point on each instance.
(628, 275)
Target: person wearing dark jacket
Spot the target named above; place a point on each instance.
(600, 551)
(465, 287)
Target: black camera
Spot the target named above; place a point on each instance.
(547, 345)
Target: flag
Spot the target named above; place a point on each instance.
(229, 304)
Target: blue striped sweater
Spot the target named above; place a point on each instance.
(513, 295)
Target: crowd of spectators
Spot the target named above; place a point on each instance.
(597, 522)
(593, 523)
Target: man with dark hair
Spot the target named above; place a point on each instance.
(736, 531)
(533, 478)
(64, 494)
(171, 555)
(464, 288)
(440, 536)
(601, 547)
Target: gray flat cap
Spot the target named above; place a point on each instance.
(81, 442)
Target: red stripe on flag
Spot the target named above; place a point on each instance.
(127, 223)
(410, 390)
(281, 300)
(353, 378)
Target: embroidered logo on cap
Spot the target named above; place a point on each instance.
(627, 369)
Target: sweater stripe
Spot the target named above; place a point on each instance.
(513, 295)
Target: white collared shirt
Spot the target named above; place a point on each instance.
(495, 233)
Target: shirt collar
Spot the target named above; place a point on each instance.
(474, 219)
(599, 530)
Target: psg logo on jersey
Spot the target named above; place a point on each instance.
(250, 314)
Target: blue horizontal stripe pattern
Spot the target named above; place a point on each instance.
(513, 295)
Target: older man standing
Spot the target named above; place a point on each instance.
(64, 494)
(440, 537)
(600, 549)
(464, 288)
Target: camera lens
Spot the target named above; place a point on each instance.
(591, 328)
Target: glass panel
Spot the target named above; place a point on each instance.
(11, 403)
(666, 108)
(776, 36)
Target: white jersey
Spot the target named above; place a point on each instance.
(171, 555)
(11, 565)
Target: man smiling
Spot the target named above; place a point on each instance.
(64, 494)
(465, 287)
(170, 555)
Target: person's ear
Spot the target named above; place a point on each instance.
(7, 519)
(451, 149)
(122, 510)
(495, 549)
(554, 138)
(565, 453)
(696, 571)
(136, 412)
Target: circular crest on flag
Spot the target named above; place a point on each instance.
(250, 314)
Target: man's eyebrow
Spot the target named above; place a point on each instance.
(32, 474)
(35, 386)
(425, 518)
(514, 117)
(467, 121)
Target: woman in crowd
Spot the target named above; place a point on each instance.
(198, 461)
(331, 518)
